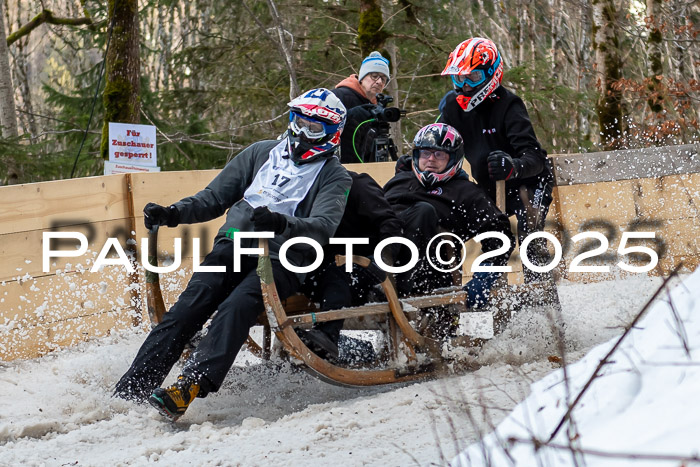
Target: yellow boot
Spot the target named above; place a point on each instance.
(172, 402)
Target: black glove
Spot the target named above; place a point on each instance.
(502, 166)
(155, 214)
(361, 113)
(268, 221)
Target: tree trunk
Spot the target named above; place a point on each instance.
(150, 66)
(656, 68)
(609, 69)
(532, 35)
(8, 116)
(23, 76)
(554, 33)
(393, 89)
(523, 25)
(369, 35)
(176, 78)
(165, 40)
(286, 42)
(583, 69)
(186, 38)
(122, 92)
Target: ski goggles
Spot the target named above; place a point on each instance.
(473, 79)
(312, 129)
(476, 77)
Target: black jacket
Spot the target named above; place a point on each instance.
(462, 206)
(349, 97)
(500, 122)
(357, 106)
(367, 214)
(317, 215)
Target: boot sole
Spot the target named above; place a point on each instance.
(159, 405)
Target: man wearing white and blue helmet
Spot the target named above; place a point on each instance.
(316, 121)
(294, 188)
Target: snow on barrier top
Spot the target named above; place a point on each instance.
(626, 165)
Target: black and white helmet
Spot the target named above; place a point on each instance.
(438, 137)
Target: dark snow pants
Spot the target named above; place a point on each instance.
(238, 298)
(421, 223)
(530, 204)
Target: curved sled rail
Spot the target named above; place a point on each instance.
(154, 296)
(278, 320)
(410, 334)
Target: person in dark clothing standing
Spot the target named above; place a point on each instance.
(502, 142)
(359, 95)
(294, 187)
(367, 215)
(431, 193)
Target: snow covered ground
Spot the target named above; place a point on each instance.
(641, 408)
(58, 410)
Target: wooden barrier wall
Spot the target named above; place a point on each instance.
(654, 189)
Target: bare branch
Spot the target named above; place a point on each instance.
(598, 453)
(286, 50)
(329, 73)
(46, 16)
(65, 132)
(418, 112)
(604, 360)
(680, 327)
(425, 42)
(192, 162)
(413, 78)
(353, 30)
(281, 45)
(43, 116)
(387, 20)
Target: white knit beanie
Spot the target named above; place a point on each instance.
(375, 63)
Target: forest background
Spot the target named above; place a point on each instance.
(215, 75)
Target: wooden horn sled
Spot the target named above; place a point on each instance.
(408, 354)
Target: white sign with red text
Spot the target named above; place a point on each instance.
(132, 144)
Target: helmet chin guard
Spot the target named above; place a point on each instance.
(316, 120)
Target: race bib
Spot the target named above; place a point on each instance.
(280, 184)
